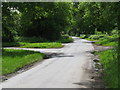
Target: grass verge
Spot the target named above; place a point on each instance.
(13, 60)
(38, 42)
(33, 45)
(109, 61)
(105, 42)
(41, 45)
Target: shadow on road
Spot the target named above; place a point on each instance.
(90, 84)
(94, 82)
(52, 55)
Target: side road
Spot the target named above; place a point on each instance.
(70, 68)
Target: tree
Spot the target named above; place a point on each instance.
(98, 16)
(10, 22)
(47, 20)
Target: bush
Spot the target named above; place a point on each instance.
(10, 44)
(31, 39)
(82, 36)
(96, 37)
(98, 32)
(105, 39)
(114, 32)
(65, 39)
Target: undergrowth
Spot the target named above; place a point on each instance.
(109, 61)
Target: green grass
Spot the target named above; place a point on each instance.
(13, 60)
(34, 45)
(105, 41)
(108, 58)
(65, 40)
(109, 61)
(10, 44)
(91, 39)
(82, 36)
(37, 42)
(41, 45)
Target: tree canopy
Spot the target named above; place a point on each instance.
(50, 20)
(96, 16)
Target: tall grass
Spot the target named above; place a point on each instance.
(109, 61)
(108, 58)
(13, 60)
(105, 39)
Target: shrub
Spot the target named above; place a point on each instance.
(10, 44)
(82, 36)
(65, 39)
(96, 37)
(114, 32)
(98, 32)
(31, 39)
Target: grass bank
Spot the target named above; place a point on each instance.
(41, 45)
(33, 45)
(108, 58)
(13, 60)
(103, 38)
(37, 42)
(109, 61)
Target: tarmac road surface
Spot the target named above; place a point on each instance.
(69, 68)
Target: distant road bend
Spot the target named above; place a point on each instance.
(69, 69)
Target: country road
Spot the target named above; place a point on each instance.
(69, 68)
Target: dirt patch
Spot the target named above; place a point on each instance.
(101, 48)
(97, 67)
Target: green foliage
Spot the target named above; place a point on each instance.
(47, 20)
(114, 32)
(65, 39)
(41, 45)
(107, 42)
(96, 16)
(49, 24)
(96, 37)
(13, 60)
(31, 39)
(51, 20)
(98, 32)
(33, 45)
(105, 39)
(37, 42)
(82, 36)
(10, 44)
(109, 61)
(10, 22)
